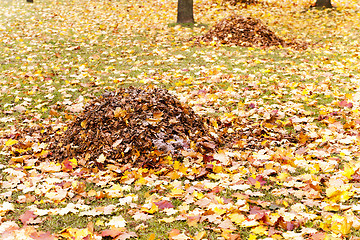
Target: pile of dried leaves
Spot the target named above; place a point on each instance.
(245, 2)
(246, 32)
(132, 125)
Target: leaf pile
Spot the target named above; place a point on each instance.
(246, 2)
(131, 125)
(246, 32)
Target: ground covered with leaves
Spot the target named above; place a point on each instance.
(254, 142)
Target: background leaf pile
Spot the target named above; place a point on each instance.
(246, 32)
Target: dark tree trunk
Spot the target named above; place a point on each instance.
(185, 12)
(30, 1)
(323, 3)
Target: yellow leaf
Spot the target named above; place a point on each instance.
(260, 230)
(152, 236)
(214, 176)
(115, 191)
(91, 193)
(82, 234)
(99, 222)
(73, 161)
(219, 211)
(83, 124)
(141, 181)
(348, 171)
(230, 89)
(119, 112)
(198, 195)
(336, 194)
(251, 223)
(153, 209)
(237, 218)
(11, 142)
(332, 207)
(252, 237)
(340, 224)
(176, 165)
(167, 220)
(177, 192)
(200, 235)
(282, 176)
(257, 184)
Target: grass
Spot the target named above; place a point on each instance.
(52, 54)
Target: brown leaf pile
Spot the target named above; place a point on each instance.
(246, 32)
(247, 2)
(131, 125)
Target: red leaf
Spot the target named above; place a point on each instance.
(164, 204)
(258, 178)
(42, 236)
(67, 165)
(27, 217)
(112, 232)
(344, 103)
(318, 236)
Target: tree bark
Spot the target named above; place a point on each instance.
(30, 1)
(185, 13)
(323, 3)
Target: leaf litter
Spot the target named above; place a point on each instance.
(303, 188)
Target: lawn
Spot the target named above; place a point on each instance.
(296, 174)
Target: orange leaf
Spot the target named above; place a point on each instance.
(174, 232)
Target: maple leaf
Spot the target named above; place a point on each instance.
(141, 216)
(163, 204)
(340, 224)
(76, 234)
(42, 236)
(237, 218)
(11, 142)
(5, 208)
(27, 217)
(113, 232)
(126, 235)
(227, 224)
(117, 222)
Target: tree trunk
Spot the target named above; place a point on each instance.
(323, 3)
(30, 1)
(185, 12)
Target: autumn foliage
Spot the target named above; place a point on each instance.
(113, 125)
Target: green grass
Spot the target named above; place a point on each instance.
(44, 64)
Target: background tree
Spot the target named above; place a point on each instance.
(323, 3)
(30, 1)
(185, 13)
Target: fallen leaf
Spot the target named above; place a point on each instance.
(27, 216)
